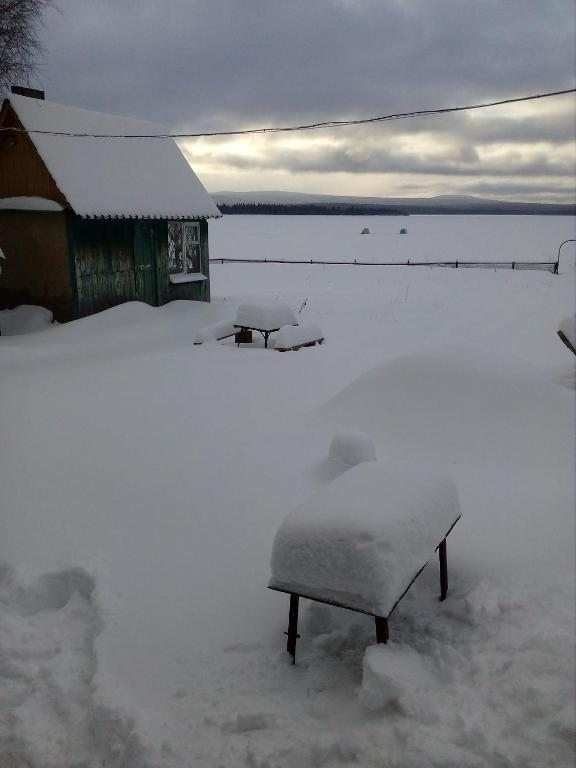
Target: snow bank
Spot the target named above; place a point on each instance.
(265, 317)
(215, 331)
(360, 541)
(352, 448)
(297, 335)
(24, 319)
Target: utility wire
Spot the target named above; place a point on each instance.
(293, 128)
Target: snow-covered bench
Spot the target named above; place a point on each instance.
(264, 318)
(292, 337)
(362, 541)
(215, 332)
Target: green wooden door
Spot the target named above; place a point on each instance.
(145, 262)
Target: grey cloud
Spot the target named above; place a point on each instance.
(348, 160)
(216, 62)
(223, 64)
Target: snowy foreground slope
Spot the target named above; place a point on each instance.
(142, 480)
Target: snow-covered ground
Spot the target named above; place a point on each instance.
(142, 480)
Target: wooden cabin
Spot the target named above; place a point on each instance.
(87, 223)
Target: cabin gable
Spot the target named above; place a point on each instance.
(22, 170)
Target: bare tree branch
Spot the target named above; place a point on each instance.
(20, 47)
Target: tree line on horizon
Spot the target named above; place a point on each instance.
(310, 209)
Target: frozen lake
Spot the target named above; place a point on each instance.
(429, 238)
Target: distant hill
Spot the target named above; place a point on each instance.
(283, 203)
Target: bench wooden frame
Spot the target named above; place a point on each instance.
(567, 341)
(218, 338)
(311, 343)
(381, 622)
(266, 332)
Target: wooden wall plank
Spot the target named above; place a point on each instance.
(36, 267)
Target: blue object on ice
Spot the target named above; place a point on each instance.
(403, 231)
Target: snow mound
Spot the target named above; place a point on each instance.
(24, 319)
(352, 448)
(360, 541)
(265, 317)
(297, 335)
(455, 403)
(391, 673)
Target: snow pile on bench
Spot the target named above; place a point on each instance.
(215, 331)
(265, 317)
(361, 540)
(295, 336)
(26, 318)
(352, 448)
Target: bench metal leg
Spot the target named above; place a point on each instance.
(443, 569)
(293, 627)
(382, 630)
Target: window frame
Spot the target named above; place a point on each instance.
(185, 276)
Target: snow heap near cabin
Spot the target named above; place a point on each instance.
(24, 319)
(290, 336)
(128, 177)
(265, 317)
(360, 540)
(352, 448)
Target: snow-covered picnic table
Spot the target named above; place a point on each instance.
(362, 540)
(264, 318)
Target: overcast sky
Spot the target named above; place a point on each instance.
(227, 64)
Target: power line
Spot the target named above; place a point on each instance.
(293, 128)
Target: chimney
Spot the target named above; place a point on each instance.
(32, 93)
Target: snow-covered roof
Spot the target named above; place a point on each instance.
(143, 178)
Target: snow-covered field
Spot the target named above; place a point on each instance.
(428, 238)
(142, 480)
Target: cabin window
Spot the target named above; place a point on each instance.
(183, 248)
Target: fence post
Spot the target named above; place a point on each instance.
(557, 262)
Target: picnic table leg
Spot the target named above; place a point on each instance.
(443, 569)
(293, 627)
(382, 631)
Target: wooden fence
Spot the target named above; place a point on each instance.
(546, 266)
